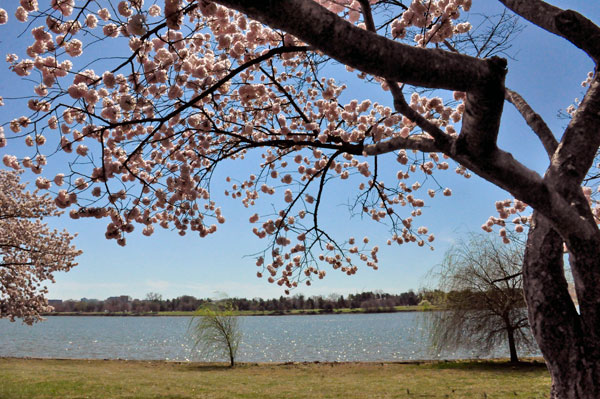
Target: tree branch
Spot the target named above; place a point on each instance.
(442, 140)
(209, 91)
(417, 142)
(568, 24)
(534, 121)
(546, 291)
(348, 44)
(576, 152)
(505, 278)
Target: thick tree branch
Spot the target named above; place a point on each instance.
(568, 24)
(501, 169)
(367, 15)
(483, 109)
(552, 314)
(574, 157)
(476, 147)
(416, 142)
(442, 140)
(534, 121)
(582, 133)
(577, 150)
(348, 44)
(483, 80)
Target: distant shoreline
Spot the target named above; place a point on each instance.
(523, 361)
(294, 312)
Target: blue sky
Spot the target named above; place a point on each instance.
(546, 71)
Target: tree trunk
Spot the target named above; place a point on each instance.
(561, 333)
(512, 346)
(231, 353)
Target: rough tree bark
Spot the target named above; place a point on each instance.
(559, 330)
(570, 341)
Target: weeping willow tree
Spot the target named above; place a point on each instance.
(484, 304)
(216, 330)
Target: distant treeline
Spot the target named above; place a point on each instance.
(369, 301)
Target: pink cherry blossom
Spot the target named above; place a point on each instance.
(136, 25)
(91, 21)
(104, 14)
(3, 16)
(154, 10)
(33, 251)
(21, 14)
(64, 6)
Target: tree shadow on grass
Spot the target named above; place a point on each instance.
(206, 367)
(531, 365)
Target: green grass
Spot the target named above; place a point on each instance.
(70, 379)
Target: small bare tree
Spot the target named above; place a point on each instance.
(484, 303)
(216, 329)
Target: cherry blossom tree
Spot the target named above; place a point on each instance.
(30, 251)
(188, 86)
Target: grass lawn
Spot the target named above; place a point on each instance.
(69, 379)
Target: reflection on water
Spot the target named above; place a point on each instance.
(348, 337)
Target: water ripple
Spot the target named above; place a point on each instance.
(351, 337)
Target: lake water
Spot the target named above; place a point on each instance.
(346, 337)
